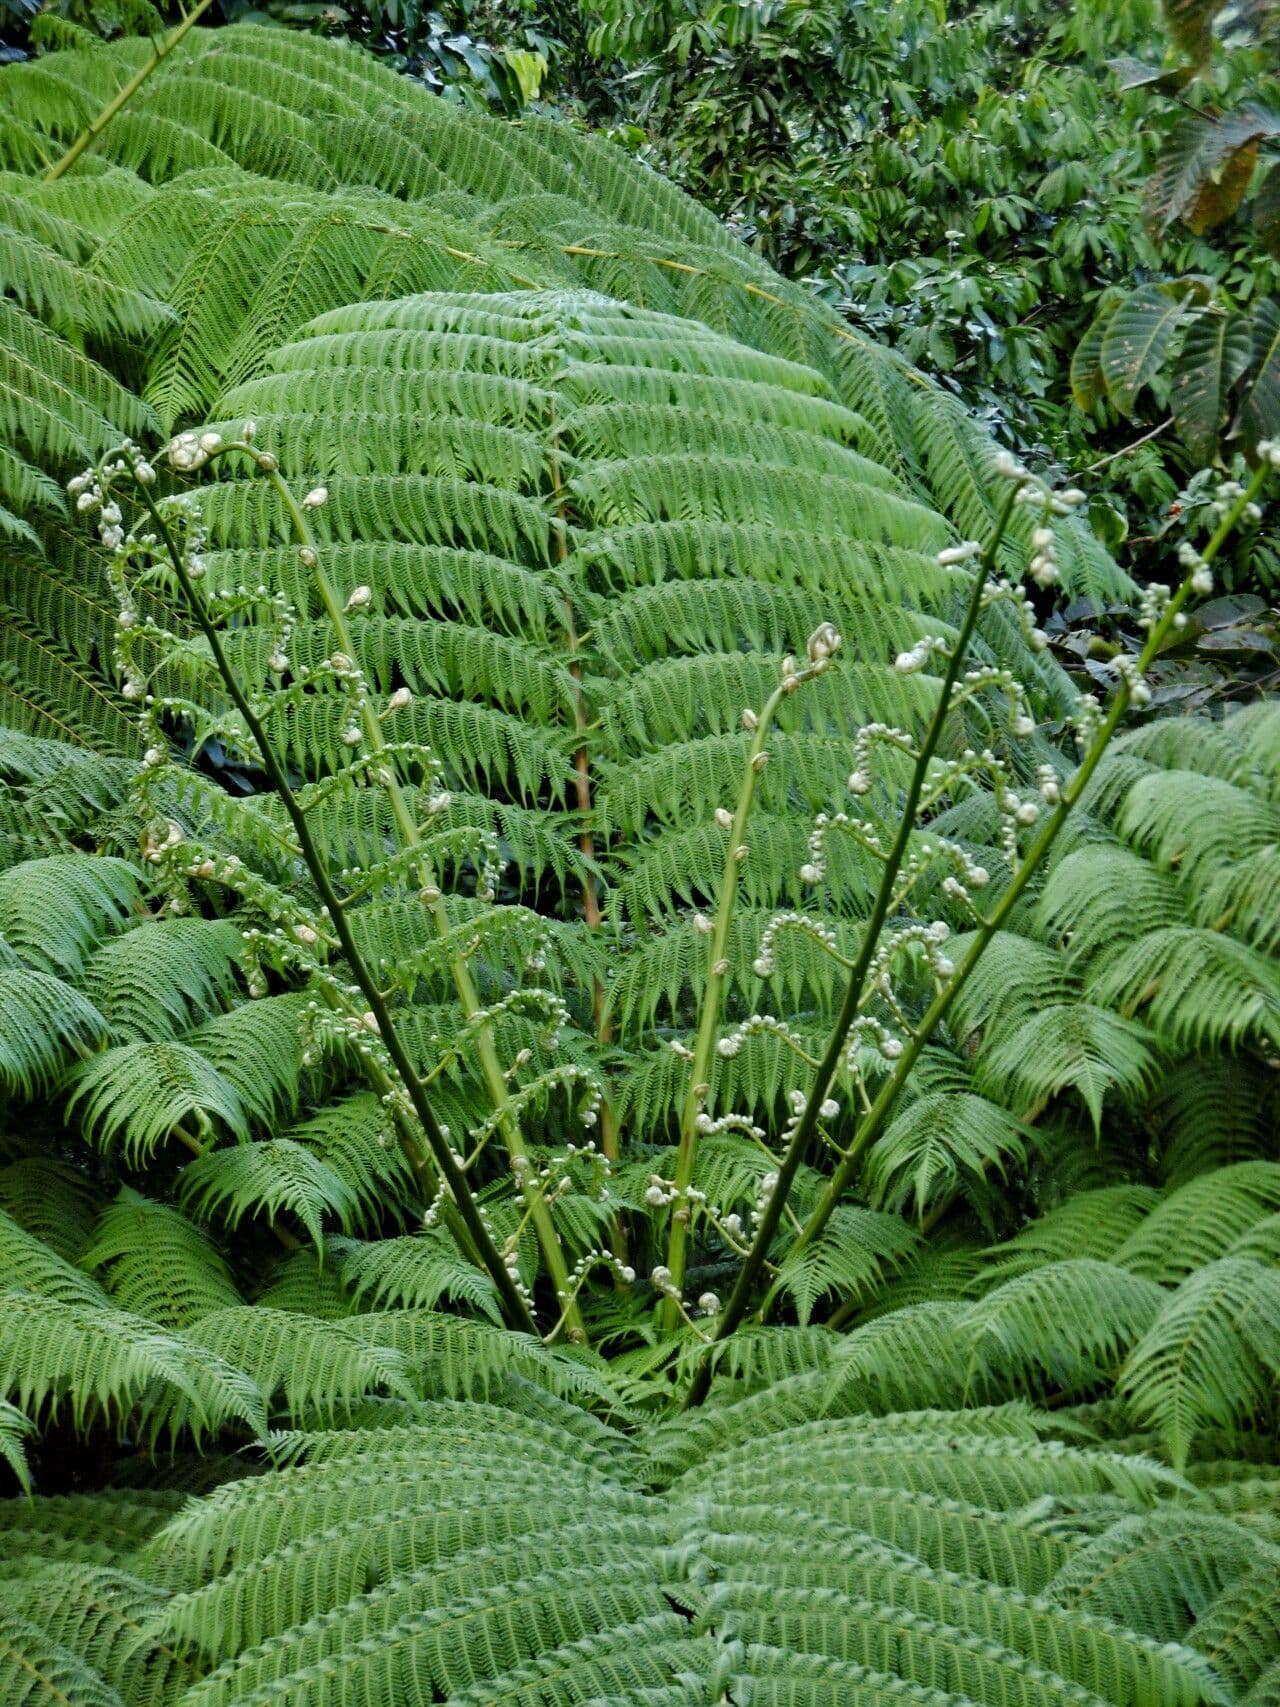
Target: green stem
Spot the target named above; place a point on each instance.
(709, 1018)
(876, 1117)
(442, 1152)
(406, 824)
(162, 51)
(744, 1287)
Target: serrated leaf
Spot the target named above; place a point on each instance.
(1088, 386)
(1215, 354)
(1259, 416)
(1136, 341)
(1205, 168)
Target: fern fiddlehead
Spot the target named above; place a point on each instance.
(823, 645)
(477, 1233)
(1163, 613)
(429, 890)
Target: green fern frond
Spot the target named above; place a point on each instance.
(1201, 1221)
(155, 1263)
(318, 1368)
(1240, 1633)
(269, 1177)
(940, 1144)
(14, 1430)
(106, 1616)
(55, 402)
(414, 1272)
(54, 911)
(32, 1266)
(257, 1049)
(1063, 1326)
(164, 975)
(45, 1026)
(910, 1357)
(1090, 1224)
(860, 1248)
(1075, 1046)
(1101, 895)
(53, 1200)
(34, 1669)
(352, 1139)
(1160, 1569)
(104, 1362)
(137, 1095)
(1195, 987)
(102, 1528)
(1210, 1355)
(1196, 823)
(1213, 1112)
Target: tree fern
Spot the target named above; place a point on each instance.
(309, 1577)
(650, 472)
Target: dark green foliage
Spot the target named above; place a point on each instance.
(1006, 1435)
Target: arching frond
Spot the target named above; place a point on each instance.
(268, 1177)
(105, 1361)
(1200, 1221)
(414, 1273)
(1064, 1325)
(45, 1026)
(54, 911)
(940, 1144)
(1195, 986)
(139, 1094)
(1210, 1355)
(155, 1263)
(1076, 1046)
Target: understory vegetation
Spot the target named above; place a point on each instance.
(613, 1087)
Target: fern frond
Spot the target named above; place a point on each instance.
(939, 1144)
(257, 1049)
(14, 1430)
(136, 1095)
(35, 1669)
(164, 975)
(1201, 1221)
(1090, 1224)
(316, 1367)
(1240, 1633)
(1075, 1046)
(54, 911)
(269, 1177)
(1194, 986)
(32, 1266)
(860, 1248)
(101, 1361)
(155, 1263)
(1064, 1325)
(45, 1026)
(1210, 1355)
(414, 1273)
(1213, 1112)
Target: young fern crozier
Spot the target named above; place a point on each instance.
(161, 557)
(895, 928)
(822, 647)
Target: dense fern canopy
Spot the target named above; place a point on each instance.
(585, 474)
